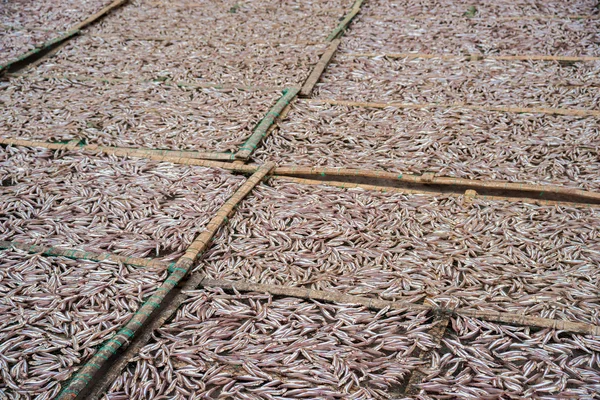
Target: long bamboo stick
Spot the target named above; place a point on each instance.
(474, 57)
(318, 70)
(536, 193)
(87, 255)
(392, 189)
(507, 109)
(263, 126)
(374, 303)
(343, 25)
(86, 374)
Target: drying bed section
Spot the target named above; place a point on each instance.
(25, 25)
(461, 143)
(15, 42)
(153, 115)
(128, 206)
(487, 255)
(55, 312)
(447, 35)
(222, 22)
(481, 9)
(479, 359)
(487, 82)
(187, 60)
(254, 346)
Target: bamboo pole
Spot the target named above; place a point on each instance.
(400, 190)
(87, 373)
(172, 156)
(507, 109)
(378, 304)
(318, 70)
(263, 126)
(87, 255)
(338, 31)
(474, 57)
(536, 193)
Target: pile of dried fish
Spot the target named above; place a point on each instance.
(132, 114)
(253, 346)
(573, 37)
(489, 82)
(541, 149)
(484, 360)
(491, 255)
(55, 312)
(190, 61)
(25, 25)
(105, 203)
(488, 9)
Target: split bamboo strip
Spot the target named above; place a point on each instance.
(174, 156)
(263, 126)
(536, 193)
(87, 255)
(374, 303)
(474, 57)
(538, 190)
(529, 110)
(168, 82)
(201, 40)
(318, 70)
(492, 18)
(338, 31)
(87, 373)
(437, 334)
(391, 189)
(72, 32)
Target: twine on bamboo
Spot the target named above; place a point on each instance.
(318, 70)
(507, 109)
(87, 255)
(378, 304)
(180, 270)
(263, 126)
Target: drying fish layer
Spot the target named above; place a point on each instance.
(253, 346)
(128, 206)
(483, 360)
(54, 314)
(488, 82)
(190, 61)
(482, 9)
(132, 114)
(490, 255)
(463, 143)
(221, 23)
(450, 36)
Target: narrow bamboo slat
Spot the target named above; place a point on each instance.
(474, 57)
(86, 255)
(507, 109)
(318, 70)
(183, 265)
(346, 21)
